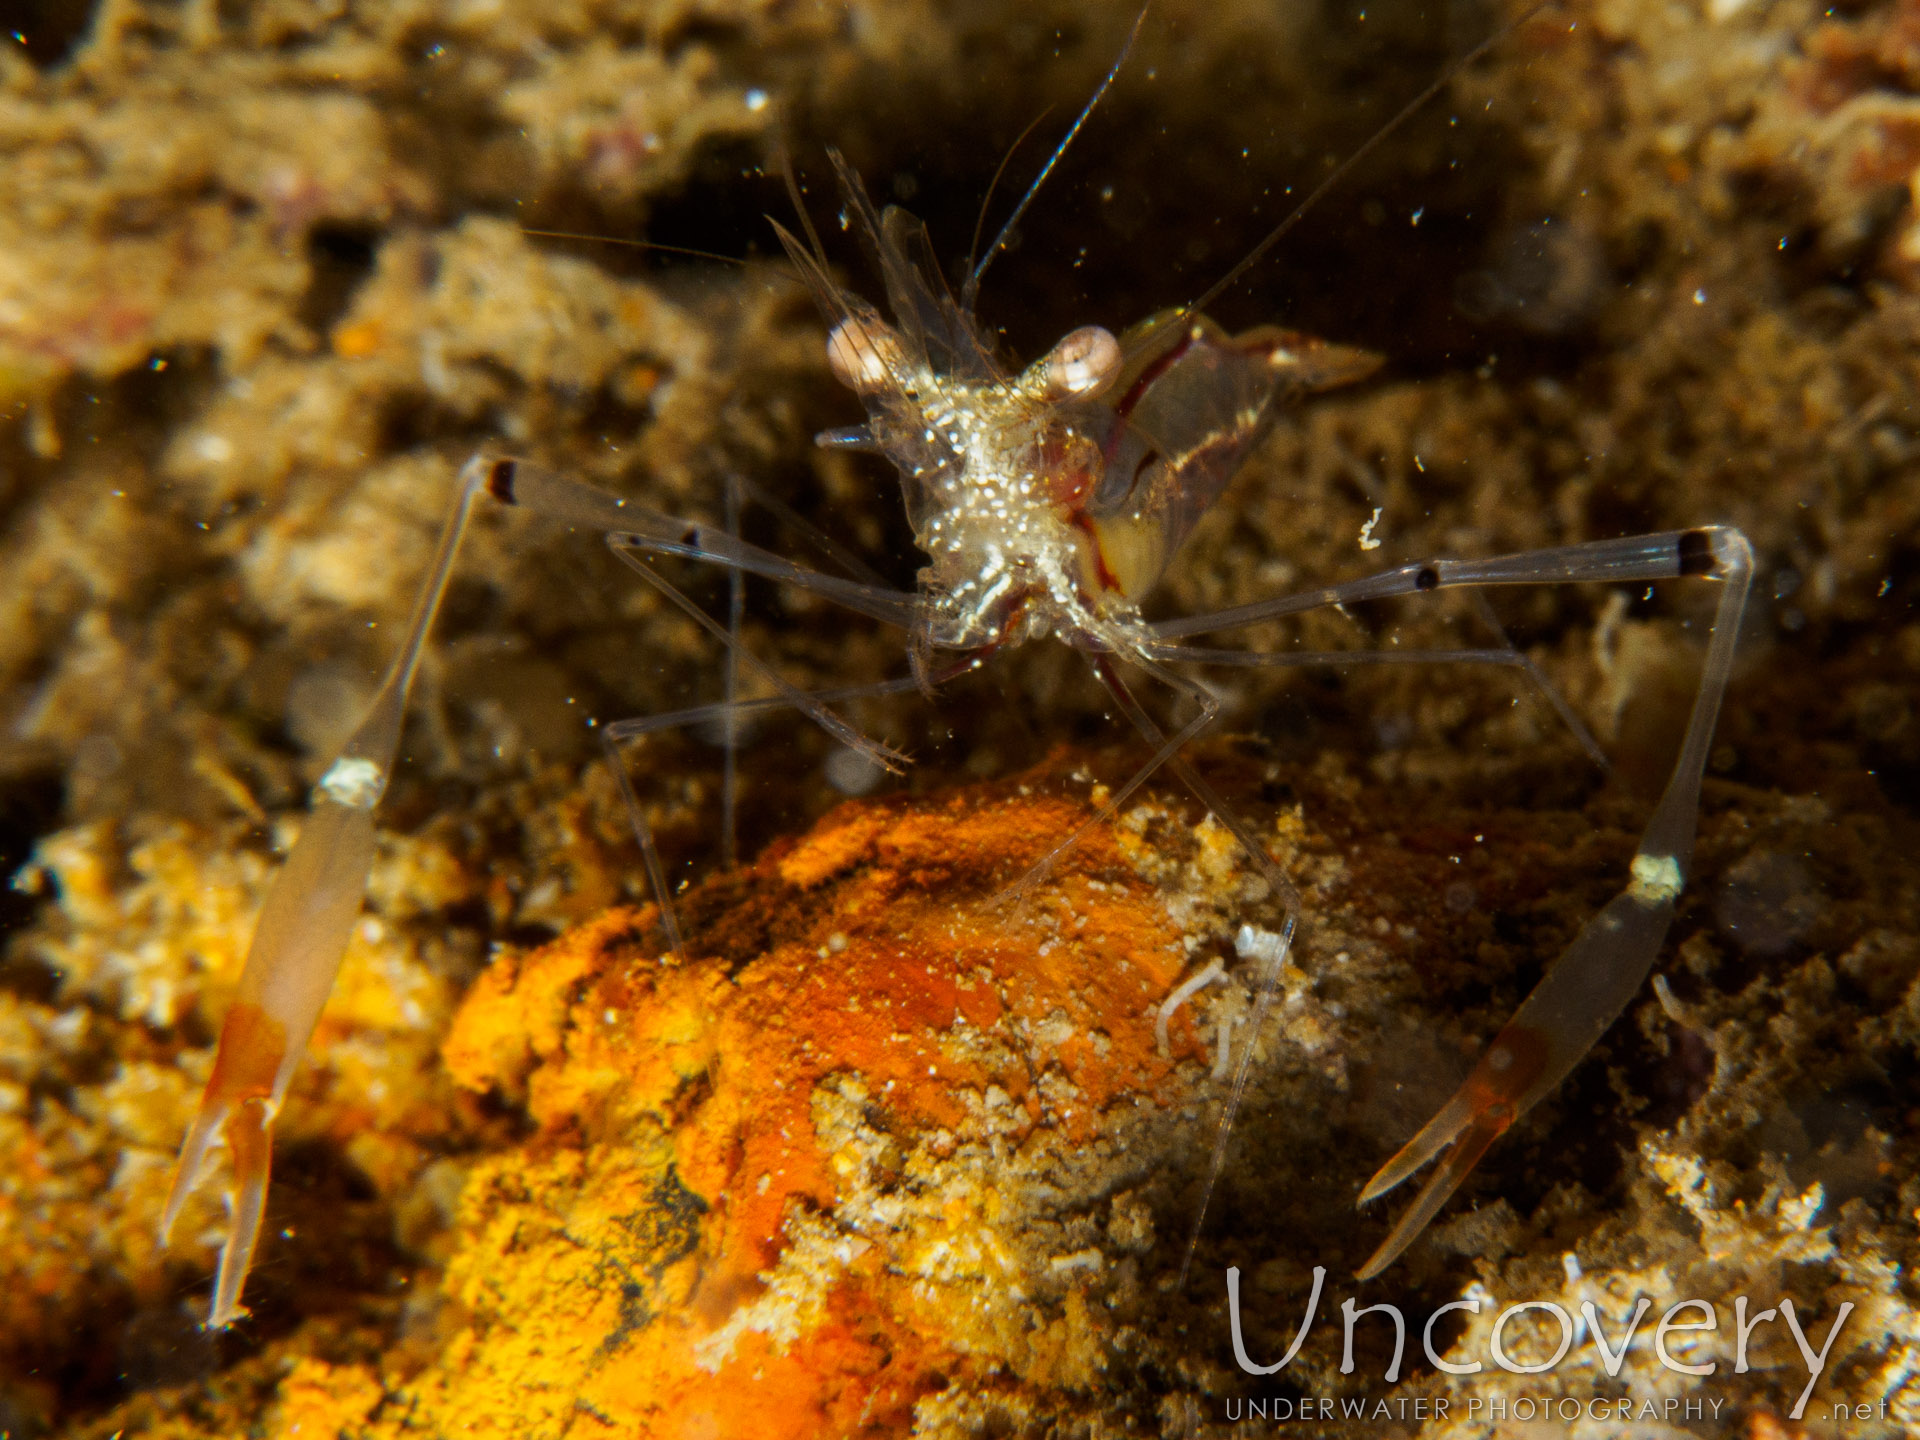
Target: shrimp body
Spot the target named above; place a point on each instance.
(993, 465)
(1051, 500)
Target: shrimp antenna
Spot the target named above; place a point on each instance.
(798, 198)
(1345, 167)
(664, 249)
(972, 286)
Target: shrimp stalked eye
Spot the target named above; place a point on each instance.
(863, 355)
(1082, 364)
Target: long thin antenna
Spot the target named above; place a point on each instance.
(736, 617)
(622, 240)
(972, 286)
(1345, 167)
(799, 199)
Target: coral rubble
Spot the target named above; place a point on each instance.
(880, 1155)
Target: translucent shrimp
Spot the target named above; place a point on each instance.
(1048, 501)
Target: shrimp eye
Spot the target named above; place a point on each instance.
(862, 354)
(1082, 364)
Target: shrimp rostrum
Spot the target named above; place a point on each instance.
(1048, 502)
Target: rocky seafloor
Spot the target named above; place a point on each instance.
(877, 1155)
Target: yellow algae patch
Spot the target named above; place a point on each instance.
(846, 836)
(762, 1197)
(515, 1012)
(565, 1262)
(319, 1401)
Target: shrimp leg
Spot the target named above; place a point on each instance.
(1588, 986)
(297, 946)
(303, 929)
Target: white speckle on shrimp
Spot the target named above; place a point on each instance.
(1253, 943)
(1656, 879)
(353, 781)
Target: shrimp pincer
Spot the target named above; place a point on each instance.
(1590, 984)
(298, 943)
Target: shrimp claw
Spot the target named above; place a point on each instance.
(297, 947)
(1587, 988)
